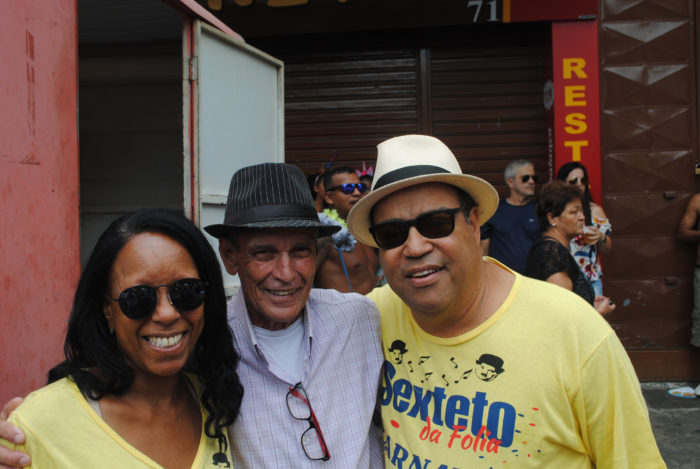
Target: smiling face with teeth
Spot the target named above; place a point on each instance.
(276, 268)
(159, 344)
(440, 278)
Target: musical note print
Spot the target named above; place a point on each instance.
(447, 383)
(454, 362)
(423, 359)
(465, 375)
(427, 376)
(410, 366)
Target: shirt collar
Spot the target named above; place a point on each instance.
(240, 311)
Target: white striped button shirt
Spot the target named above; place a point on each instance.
(342, 362)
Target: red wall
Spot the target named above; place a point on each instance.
(39, 218)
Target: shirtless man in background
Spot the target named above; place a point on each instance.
(356, 270)
(688, 231)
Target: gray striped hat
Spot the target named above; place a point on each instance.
(269, 195)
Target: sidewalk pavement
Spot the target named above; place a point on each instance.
(676, 424)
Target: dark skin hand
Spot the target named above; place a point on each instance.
(11, 433)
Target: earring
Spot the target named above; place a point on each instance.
(111, 330)
(553, 224)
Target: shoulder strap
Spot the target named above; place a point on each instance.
(345, 269)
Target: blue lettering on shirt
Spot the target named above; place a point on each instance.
(448, 410)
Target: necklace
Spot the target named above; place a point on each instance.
(333, 215)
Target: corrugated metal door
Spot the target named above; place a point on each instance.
(344, 103)
(486, 99)
(479, 88)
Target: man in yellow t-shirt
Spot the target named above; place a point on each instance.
(484, 367)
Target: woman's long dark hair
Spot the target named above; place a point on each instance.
(563, 174)
(93, 359)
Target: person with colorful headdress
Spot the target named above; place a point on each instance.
(366, 175)
(315, 182)
(344, 264)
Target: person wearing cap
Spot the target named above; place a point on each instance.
(310, 359)
(563, 393)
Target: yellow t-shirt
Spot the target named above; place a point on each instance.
(543, 383)
(63, 431)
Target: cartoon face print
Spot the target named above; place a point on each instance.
(486, 372)
(396, 351)
(488, 367)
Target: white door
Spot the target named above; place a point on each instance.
(238, 120)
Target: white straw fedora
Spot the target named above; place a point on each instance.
(416, 159)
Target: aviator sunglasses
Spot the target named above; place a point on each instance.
(434, 224)
(527, 177)
(140, 301)
(349, 188)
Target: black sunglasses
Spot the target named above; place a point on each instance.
(574, 181)
(527, 177)
(349, 188)
(435, 224)
(140, 301)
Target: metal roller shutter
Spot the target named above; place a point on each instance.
(479, 88)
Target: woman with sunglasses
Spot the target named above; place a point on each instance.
(149, 378)
(561, 218)
(596, 234)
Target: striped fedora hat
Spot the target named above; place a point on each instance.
(269, 195)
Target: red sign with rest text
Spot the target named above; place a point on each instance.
(576, 98)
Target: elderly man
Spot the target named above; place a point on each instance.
(553, 386)
(509, 234)
(310, 359)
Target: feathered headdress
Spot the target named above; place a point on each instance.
(365, 171)
(325, 168)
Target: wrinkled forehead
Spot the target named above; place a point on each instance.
(277, 237)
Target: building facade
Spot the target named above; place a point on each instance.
(612, 84)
